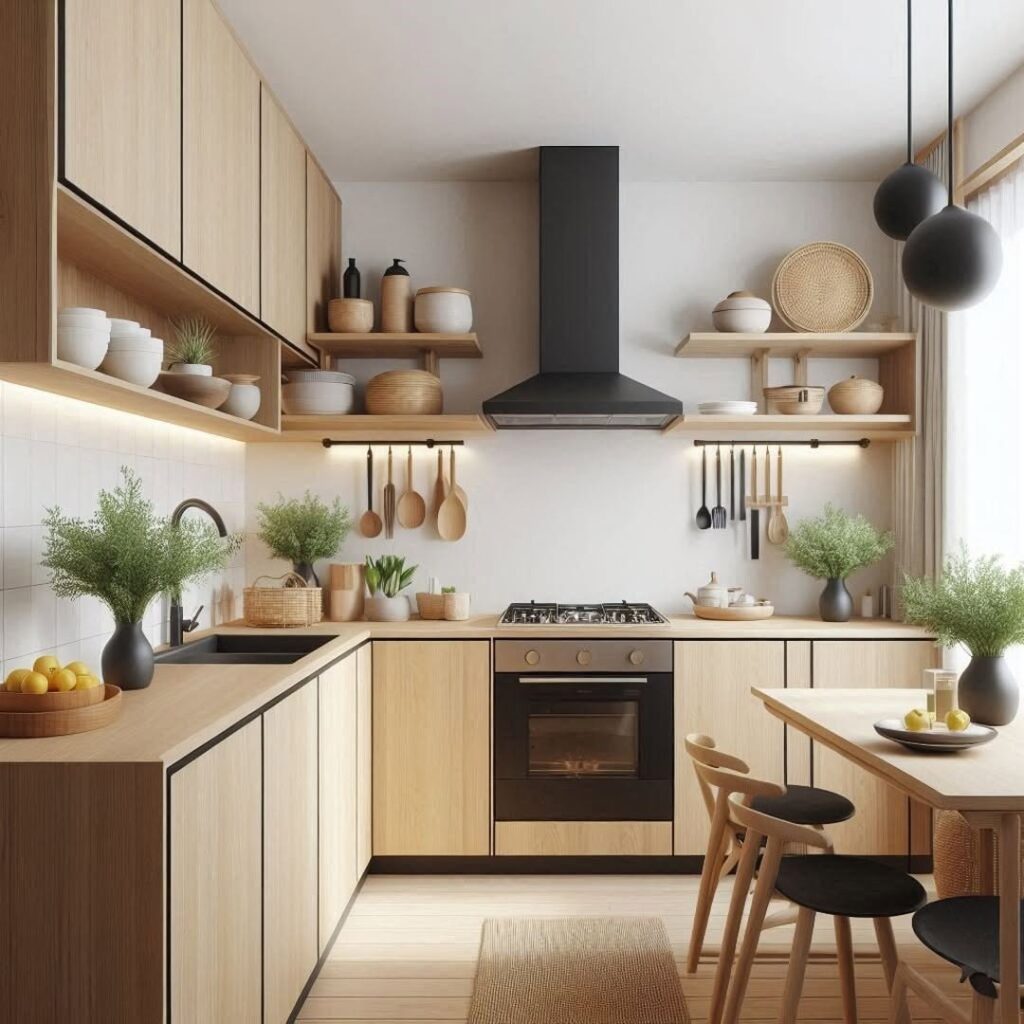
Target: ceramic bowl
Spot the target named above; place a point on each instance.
(83, 347)
(136, 367)
(82, 311)
(742, 312)
(318, 377)
(796, 399)
(94, 323)
(210, 392)
(442, 309)
(243, 400)
(315, 398)
(136, 343)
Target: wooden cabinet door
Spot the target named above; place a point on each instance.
(364, 768)
(323, 246)
(215, 883)
(338, 792)
(282, 223)
(884, 817)
(221, 157)
(431, 747)
(290, 857)
(712, 696)
(122, 118)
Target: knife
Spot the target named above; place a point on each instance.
(732, 481)
(743, 485)
(755, 514)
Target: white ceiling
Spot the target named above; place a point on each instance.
(689, 89)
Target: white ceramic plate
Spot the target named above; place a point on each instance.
(936, 740)
(727, 408)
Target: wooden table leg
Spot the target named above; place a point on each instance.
(1009, 918)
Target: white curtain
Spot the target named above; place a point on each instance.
(985, 425)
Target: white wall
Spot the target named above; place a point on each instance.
(56, 451)
(995, 122)
(605, 515)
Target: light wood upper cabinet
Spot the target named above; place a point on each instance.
(431, 747)
(221, 157)
(364, 769)
(338, 791)
(122, 121)
(282, 223)
(712, 696)
(290, 854)
(215, 883)
(323, 246)
(884, 817)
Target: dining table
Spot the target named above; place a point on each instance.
(984, 783)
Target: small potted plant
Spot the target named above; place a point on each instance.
(303, 531)
(193, 348)
(832, 546)
(977, 604)
(456, 604)
(126, 556)
(386, 578)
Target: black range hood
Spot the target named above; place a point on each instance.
(579, 384)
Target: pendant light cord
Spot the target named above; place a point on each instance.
(910, 83)
(949, 86)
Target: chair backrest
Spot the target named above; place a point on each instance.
(704, 751)
(772, 828)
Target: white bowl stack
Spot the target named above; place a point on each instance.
(318, 393)
(83, 335)
(133, 355)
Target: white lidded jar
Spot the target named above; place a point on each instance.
(443, 309)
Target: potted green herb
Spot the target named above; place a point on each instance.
(386, 578)
(303, 531)
(126, 556)
(977, 604)
(831, 547)
(193, 349)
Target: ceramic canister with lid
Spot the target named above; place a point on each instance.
(443, 309)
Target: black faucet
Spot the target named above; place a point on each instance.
(179, 625)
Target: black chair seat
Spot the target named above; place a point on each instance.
(806, 805)
(845, 886)
(965, 931)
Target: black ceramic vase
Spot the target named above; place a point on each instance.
(307, 572)
(835, 603)
(988, 692)
(127, 659)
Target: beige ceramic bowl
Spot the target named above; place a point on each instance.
(796, 399)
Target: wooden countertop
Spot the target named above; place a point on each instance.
(187, 705)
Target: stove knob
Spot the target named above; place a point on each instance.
(636, 657)
(531, 657)
(583, 657)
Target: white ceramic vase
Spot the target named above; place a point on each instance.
(387, 609)
(196, 369)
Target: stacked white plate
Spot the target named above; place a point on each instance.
(317, 393)
(133, 355)
(83, 335)
(727, 408)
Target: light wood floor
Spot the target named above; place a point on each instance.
(409, 947)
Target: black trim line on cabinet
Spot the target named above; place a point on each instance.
(528, 865)
(167, 895)
(61, 84)
(263, 868)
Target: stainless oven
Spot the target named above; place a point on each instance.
(583, 730)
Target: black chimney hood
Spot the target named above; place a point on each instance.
(579, 384)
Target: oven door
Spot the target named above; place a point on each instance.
(583, 748)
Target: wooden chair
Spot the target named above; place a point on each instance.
(839, 885)
(719, 775)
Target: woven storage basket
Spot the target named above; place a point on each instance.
(822, 287)
(957, 857)
(856, 396)
(404, 393)
(297, 605)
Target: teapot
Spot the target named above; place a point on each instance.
(712, 595)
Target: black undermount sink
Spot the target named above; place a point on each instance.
(243, 649)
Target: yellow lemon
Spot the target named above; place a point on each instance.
(63, 680)
(15, 679)
(916, 720)
(86, 682)
(35, 682)
(957, 720)
(45, 664)
(78, 667)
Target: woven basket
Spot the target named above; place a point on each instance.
(957, 857)
(404, 393)
(285, 605)
(822, 287)
(856, 396)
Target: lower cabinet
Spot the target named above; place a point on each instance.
(364, 769)
(215, 852)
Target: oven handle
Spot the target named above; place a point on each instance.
(576, 680)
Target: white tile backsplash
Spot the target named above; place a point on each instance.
(57, 451)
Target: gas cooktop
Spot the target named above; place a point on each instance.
(623, 614)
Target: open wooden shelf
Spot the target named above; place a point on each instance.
(397, 346)
(360, 427)
(852, 344)
(879, 427)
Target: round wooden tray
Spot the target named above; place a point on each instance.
(746, 614)
(39, 702)
(28, 724)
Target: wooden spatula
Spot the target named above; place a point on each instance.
(451, 517)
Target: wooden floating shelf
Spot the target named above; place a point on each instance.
(878, 427)
(446, 427)
(397, 346)
(852, 344)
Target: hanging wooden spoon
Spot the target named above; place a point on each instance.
(778, 527)
(412, 509)
(370, 523)
(451, 517)
(440, 487)
(457, 487)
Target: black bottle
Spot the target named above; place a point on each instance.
(352, 281)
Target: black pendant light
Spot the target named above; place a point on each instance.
(953, 259)
(911, 193)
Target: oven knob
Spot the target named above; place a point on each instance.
(636, 657)
(583, 657)
(531, 657)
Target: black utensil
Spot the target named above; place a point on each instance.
(755, 514)
(743, 485)
(718, 515)
(703, 515)
(732, 481)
